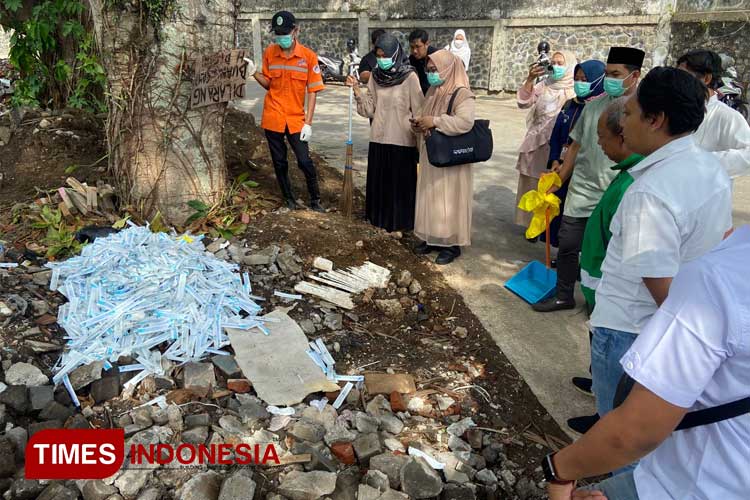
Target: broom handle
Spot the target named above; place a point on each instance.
(546, 239)
(351, 97)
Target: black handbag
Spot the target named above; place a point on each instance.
(449, 150)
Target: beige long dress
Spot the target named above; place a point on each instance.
(544, 104)
(445, 195)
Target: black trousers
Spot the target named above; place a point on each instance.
(277, 145)
(570, 239)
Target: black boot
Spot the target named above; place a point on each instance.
(553, 304)
(424, 249)
(448, 255)
(316, 206)
(286, 191)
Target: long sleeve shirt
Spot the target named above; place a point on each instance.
(725, 133)
(390, 109)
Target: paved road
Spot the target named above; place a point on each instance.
(547, 350)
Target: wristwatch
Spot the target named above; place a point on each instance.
(550, 474)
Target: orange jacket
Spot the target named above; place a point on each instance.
(291, 78)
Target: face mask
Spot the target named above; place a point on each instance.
(284, 41)
(385, 63)
(582, 89)
(433, 77)
(614, 86)
(558, 72)
(458, 43)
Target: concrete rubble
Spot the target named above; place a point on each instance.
(267, 390)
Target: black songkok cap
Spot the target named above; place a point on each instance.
(626, 55)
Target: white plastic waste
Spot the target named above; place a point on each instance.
(148, 295)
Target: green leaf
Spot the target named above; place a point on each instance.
(198, 205)
(243, 177)
(196, 216)
(121, 223)
(225, 233)
(250, 184)
(157, 224)
(71, 168)
(12, 5)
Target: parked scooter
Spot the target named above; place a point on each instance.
(335, 69)
(732, 92)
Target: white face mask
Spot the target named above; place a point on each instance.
(459, 43)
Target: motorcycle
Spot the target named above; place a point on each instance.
(336, 69)
(732, 91)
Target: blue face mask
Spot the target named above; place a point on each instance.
(615, 87)
(385, 63)
(433, 77)
(582, 89)
(558, 72)
(284, 41)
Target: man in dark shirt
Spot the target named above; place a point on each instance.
(370, 61)
(419, 45)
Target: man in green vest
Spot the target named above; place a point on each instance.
(597, 234)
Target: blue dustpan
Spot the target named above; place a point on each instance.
(533, 283)
(536, 281)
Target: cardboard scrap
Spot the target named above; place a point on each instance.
(277, 364)
(386, 383)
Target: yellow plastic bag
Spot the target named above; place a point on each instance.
(539, 201)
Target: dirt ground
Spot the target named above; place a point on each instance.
(428, 344)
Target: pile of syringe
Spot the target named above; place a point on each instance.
(148, 296)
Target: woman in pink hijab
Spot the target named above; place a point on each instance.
(544, 101)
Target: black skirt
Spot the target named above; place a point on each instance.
(391, 186)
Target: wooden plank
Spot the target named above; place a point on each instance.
(66, 199)
(64, 209)
(79, 201)
(77, 186)
(91, 198)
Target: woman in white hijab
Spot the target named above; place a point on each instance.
(460, 47)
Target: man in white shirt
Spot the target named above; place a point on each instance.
(677, 209)
(724, 131)
(694, 354)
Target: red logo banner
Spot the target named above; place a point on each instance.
(75, 453)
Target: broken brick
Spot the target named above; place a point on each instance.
(344, 452)
(397, 402)
(240, 385)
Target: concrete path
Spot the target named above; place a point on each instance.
(546, 349)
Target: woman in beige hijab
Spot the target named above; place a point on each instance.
(544, 101)
(444, 195)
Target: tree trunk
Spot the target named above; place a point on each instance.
(163, 153)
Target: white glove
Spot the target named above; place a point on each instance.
(306, 133)
(250, 66)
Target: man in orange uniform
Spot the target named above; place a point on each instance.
(290, 71)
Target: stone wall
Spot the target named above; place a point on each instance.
(587, 42)
(460, 9)
(504, 35)
(720, 36)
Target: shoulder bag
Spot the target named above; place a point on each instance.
(472, 147)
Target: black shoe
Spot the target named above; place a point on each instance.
(583, 424)
(553, 263)
(553, 304)
(583, 384)
(424, 249)
(316, 206)
(291, 204)
(533, 240)
(447, 255)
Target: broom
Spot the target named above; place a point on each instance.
(347, 198)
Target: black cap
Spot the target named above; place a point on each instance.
(282, 23)
(626, 55)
